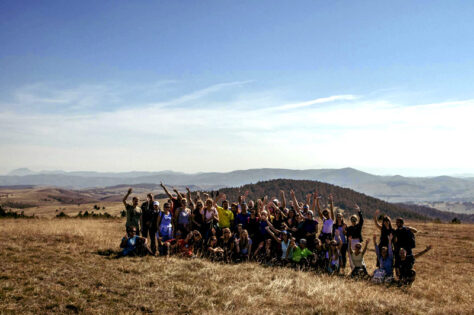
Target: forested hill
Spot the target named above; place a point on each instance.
(344, 198)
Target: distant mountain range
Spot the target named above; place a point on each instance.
(390, 188)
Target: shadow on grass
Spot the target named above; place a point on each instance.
(107, 253)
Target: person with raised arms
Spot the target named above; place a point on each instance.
(283, 240)
(342, 228)
(133, 211)
(404, 267)
(226, 216)
(355, 229)
(356, 259)
(326, 216)
(175, 201)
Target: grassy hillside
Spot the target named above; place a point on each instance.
(62, 266)
(344, 198)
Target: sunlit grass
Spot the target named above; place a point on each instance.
(55, 266)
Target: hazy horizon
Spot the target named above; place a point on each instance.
(382, 87)
(432, 174)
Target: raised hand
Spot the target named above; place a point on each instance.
(375, 237)
(330, 197)
(356, 206)
(130, 190)
(292, 193)
(377, 212)
(390, 237)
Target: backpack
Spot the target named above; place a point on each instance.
(379, 275)
(411, 239)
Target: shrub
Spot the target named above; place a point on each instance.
(62, 215)
(455, 221)
(14, 214)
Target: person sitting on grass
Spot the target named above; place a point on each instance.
(300, 254)
(185, 247)
(198, 243)
(385, 257)
(334, 255)
(319, 261)
(284, 241)
(134, 245)
(227, 243)
(213, 251)
(356, 259)
(243, 246)
(404, 267)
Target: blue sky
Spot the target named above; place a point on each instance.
(382, 86)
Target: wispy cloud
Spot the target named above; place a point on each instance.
(322, 100)
(210, 134)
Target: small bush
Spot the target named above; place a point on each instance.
(14, 214)
(456, 221)
(62, 215)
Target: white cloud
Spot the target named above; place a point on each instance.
(322, 100)
(210, 135)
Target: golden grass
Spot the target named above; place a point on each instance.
(52, 266)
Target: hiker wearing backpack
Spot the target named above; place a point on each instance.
(404, 237)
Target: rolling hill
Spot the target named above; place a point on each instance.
(389, 188)
(344, 199)
(53, 197)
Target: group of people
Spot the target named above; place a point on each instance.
(271, 232)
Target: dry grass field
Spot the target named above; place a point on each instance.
(59, 265)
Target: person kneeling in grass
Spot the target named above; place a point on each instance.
(356, 259)
(404, 266)
(134, 245)
(300, 255)
(385, 258)
(213, 251)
